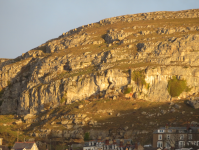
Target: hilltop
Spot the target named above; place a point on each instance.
(118, 76)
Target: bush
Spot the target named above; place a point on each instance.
(176, 87)
(127, 90)
(63, 100)
(86, 136)
(139, 77)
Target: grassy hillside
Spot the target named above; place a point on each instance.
(109, 115)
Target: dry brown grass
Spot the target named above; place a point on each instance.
(130, 110)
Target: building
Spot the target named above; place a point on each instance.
(25, 146)
(176, 137)
(93, 145)
(3, 147)
(117, 144)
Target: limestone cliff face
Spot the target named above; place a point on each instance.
(98, 61)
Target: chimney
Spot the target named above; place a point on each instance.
(1, 141)
(166, 127)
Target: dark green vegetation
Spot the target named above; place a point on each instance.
(139, 77)
(127, 90)
(176, 86)
(86, 136)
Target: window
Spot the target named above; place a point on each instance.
(190, 136)
(195, 143)
(159, 144)
(168, 136)
(181, 131)
(160, 131)
(169, 130)
(167, 145)
(190, 143)
(181, 136)
(160, 137)
(181, 144)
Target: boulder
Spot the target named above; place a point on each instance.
(80, 106)
(18, 121)
(69, 126)
(163, 112)
(28, 116)
(193, 103)
(126, 128)
(143, 113)
(194, 123)
(118, 114)
(177, 106)
(114, 97)
(64, 122)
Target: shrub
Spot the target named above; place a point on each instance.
(148, 86)
(176, 86)
(127, 90)
(86, 136)
(63, 100)
(139, 77)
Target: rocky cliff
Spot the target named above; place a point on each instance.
(140, 54)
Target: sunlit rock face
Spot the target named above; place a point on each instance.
(100, 60)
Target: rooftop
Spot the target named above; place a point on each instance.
(22, 145)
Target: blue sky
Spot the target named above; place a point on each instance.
(26, 24)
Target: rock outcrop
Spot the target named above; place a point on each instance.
(103, 61)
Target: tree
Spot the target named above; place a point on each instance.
(86, 136)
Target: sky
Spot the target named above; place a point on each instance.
(26, 24)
